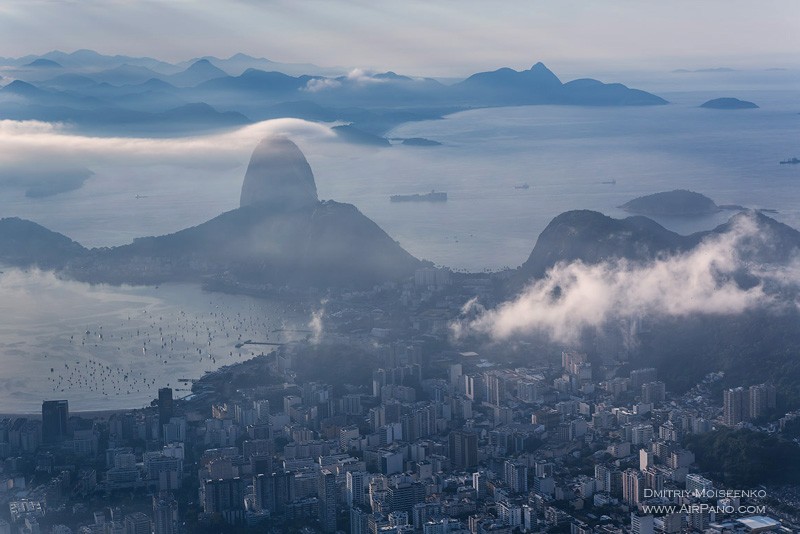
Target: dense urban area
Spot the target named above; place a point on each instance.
(381, 423)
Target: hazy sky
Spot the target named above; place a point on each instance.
(444, 37)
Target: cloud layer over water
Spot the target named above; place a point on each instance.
(29, 141)
(46, 159)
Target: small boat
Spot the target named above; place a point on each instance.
(522, 186)
(609, 182)
(791, 161)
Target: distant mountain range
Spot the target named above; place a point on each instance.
(91, 60)
(94, 92)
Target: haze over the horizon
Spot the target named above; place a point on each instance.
(447, 38)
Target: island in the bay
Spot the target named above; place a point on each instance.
(728, 103)
(677, 203)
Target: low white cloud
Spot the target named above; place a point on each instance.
(36, 297)
(574, 297)
(30, 141)
(316, 325)
(353, 77)
(316, 85)
(362, 76)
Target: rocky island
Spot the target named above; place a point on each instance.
(728, 103)
(677, 203)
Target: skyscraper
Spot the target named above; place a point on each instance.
(632, 487)
(761, 399)
(55, 415)
(166, 408)
(224, 497)
(137, 523)
(274, 491)
(463, 449)
(736, 407)
(516, 476)
(165, 513)
(355, 487)
(326, 492)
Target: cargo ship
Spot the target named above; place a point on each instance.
(433, 196)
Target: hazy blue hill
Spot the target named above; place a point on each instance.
(534, 86)
(43, 63)
(190, 117)
(155, 101)
(539, 85)
(327, 244)
(124, 121)
(728, 103)
(390, 75)
(25, 243)
(153, 84)
(238, 63)
(537, 76)
(782, 245)
(35, 97)
(592, 237)
(125, 74)
(202, 113)
(20, 88)
(677, 203)
(281, 234)
(589, 92)
(110, 93)
(198, 72)
(69, 81)
(89, 59)
(257, 81)
(758, 345)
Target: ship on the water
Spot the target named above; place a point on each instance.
(792, 161)
(522, 186)
(433, 196)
